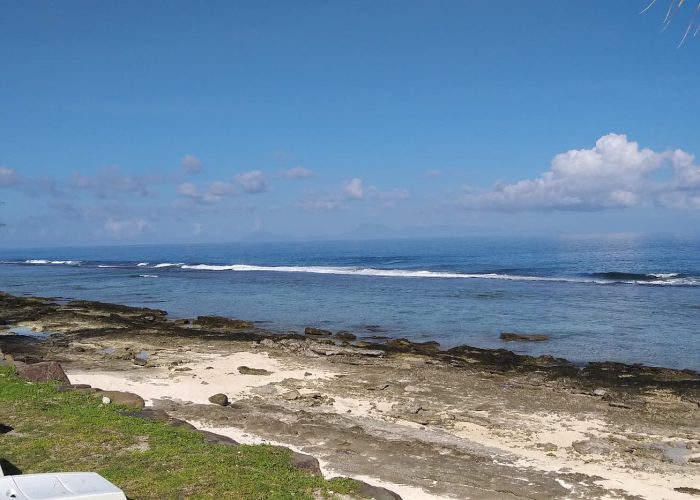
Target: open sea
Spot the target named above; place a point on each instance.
(624, 298)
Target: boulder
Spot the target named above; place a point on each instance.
(244, 370)
(45, 371)
(122, 398)
(375, 492)
(519, 337)
(219, 399)
(317, 332)
(213, 438)
(305, 462)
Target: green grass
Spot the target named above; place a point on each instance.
(71, 431)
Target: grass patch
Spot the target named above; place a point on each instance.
(56, 431)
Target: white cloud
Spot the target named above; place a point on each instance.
(616, 173)
(214, 192)
(191, 164)
(297, 173)
(125, 227)
(253, 181)
(8, 177)
(353, 189)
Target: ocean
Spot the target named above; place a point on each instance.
(618, 298)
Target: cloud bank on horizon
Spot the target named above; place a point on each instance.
(615, 174)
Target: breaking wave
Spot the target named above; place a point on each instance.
(601, 278)
(53, 262)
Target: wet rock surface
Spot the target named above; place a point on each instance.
(463, 422)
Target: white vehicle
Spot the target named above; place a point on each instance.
(58, 486)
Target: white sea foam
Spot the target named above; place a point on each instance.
(392, 273)
(53, 262)
(659, 279)
(147, 276)
(664, 275)
(663, 279)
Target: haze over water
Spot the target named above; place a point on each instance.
(623, 298)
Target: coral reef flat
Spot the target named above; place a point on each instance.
(457, 423)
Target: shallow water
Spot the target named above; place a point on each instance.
(628, 299)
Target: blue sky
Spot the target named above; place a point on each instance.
(166, 121)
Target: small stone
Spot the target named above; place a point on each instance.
(600, 392)
(219, 399)
(244, 370)
(106, 400)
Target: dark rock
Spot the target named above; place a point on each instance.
(115, 309)
(123, 398)
(140, 361)
(503, 360)
(219, 399)
(519, 337)
(375, 492)
(318, 332)
(343, 335)
(244, 370)
(431, 347)
(688, 490)
(219, 322)
(305, 462)
(213, 438)
(45, 371)
(182, 321)
(400, 344)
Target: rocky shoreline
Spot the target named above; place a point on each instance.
(461, 423)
